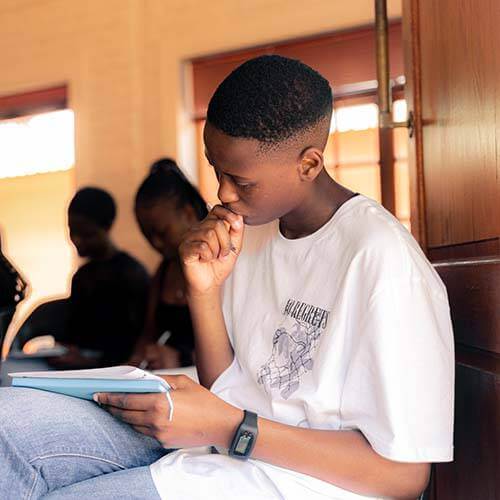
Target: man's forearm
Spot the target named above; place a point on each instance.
(343, 458)
(212, 347)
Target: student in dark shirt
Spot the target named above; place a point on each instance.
(166, 206)
(12, 291)
(108, 293)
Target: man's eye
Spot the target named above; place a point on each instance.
(241, 185)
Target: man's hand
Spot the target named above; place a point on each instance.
(341, 457)
(210, 249)
(199, 419)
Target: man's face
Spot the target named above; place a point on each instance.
(88, 238)
(259, 185)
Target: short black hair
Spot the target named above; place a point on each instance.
(271, 99)
(166, 180)
(95, 204)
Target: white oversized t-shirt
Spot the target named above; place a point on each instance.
(347, 328)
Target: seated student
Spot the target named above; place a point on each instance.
(166, 205)
(320, 317)
(108, 293)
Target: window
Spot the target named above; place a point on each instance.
(36, 184)
(37, 144)
(352, 153)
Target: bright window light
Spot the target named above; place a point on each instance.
(399, 110)
(364, 116)
(360, 117)
(37, 144)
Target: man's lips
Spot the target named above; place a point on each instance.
(231, 209)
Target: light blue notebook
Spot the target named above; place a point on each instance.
(84, 383)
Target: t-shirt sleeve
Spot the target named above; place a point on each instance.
(399, 383)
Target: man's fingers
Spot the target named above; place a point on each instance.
(208, 234)
(193, 251)
(128, 401)
(234, 220)
(215, 237)
(132, 417)
(210, 231)
(235, 225)
(222, 221)
(223, 237)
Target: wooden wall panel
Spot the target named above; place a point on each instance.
(474, 294)
(484, 248)
(474, 473)
(452, 82)
(460, 71)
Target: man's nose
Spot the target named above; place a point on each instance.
(227, 193)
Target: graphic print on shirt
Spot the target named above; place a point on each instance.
(293, 348)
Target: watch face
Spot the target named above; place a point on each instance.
(243, 444)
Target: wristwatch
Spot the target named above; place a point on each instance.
(245, 436)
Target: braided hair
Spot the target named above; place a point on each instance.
(166, 180)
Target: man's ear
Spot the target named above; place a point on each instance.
(311, 164)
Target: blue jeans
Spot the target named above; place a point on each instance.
(57, 447)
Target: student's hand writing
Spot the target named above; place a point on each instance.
(138, 354)
(200, 418)
(156, 356)
(161, 356)
(210, 249)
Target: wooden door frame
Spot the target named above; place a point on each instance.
(413, 96)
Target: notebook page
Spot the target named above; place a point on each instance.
(111, 373)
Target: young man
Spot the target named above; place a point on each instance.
(314, 311)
